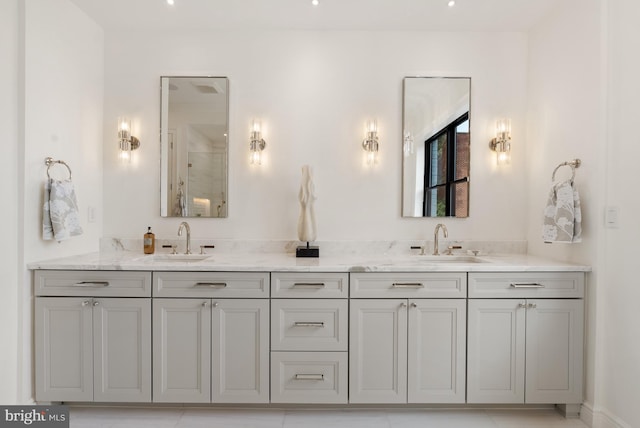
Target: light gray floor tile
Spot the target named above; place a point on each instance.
(533, 419)
(236, 418)
(336, 419)
(108, 416)
(433, 418)
(100, 417)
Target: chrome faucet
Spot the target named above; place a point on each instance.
(185, 225)
(435, 237)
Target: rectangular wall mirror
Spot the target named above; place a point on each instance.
(436, 146)
(194, 146)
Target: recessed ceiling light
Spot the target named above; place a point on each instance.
(170, 2)
(315, 2)
(451, 3)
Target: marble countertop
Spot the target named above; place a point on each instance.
(287, 262)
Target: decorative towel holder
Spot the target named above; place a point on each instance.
(49, 162)
(573, 164)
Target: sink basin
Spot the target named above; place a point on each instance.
(180, 258)
(450, 259)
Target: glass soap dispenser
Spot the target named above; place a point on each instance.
(149, 242)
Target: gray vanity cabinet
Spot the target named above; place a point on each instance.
(309, 337)
(90, 348)
(407, 338)
(529, 348)
(207, 345)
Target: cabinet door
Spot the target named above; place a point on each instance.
(122, 349)
(437, 337)
(240, 351)
(554, 351)
(181, 350)
(63, 349)
(378, 351)
(496, 351)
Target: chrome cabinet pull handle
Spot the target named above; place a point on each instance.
(309, 285)
(308, 324)
(85, 303)
(91, 284)
(526, 285)
(214, 304)
(205, 304)
(407, 285)
(403, 305)
(532, 306)
(522, 305)
(309, 377)
(211, 284)
(414, 305)
(96, 303)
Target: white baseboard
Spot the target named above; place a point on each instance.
(600, 418)
(586, 415)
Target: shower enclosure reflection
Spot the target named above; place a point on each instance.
(194, 117)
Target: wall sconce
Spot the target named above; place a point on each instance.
(501, 144)
(370, 143)
(127, 142)
(256, 143)
(408, 146)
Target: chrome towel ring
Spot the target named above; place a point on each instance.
(49, 161)
(573, 164)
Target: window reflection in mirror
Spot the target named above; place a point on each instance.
(194, 146)
(436, 147)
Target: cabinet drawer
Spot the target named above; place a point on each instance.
(306, 284)
(526, 284)
(386, 285)
(92, 283)
(211, 284)
(309, 377)
(309, 325)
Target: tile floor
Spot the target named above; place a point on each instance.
(271, 418)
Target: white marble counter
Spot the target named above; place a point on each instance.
(287, 262)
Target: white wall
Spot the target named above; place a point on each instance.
(565, 120)
(314, 91)
(620, 347)
(9, 175)
(63, 117)
(63, 102)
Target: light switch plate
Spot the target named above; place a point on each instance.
(611, 218)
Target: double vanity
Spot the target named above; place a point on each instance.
(270, 328)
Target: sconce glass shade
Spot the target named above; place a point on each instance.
(503, 157)
(126, 142)
(501, 144)
(370, 144)
(256, 143)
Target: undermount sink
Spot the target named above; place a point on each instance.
(450, 259)
(181, 258)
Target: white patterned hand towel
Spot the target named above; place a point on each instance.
(60, 219)
(562, 215)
